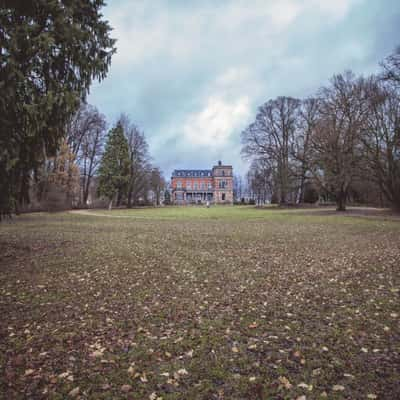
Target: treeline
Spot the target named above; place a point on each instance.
(52, 144)
(342, 144)
(94, 167)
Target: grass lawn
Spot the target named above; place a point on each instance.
(196, 303)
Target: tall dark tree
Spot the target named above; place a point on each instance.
(114, 167)
(50, 51)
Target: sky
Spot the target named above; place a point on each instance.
(191, 74)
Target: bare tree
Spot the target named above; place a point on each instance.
(381, 139)
(139, 156)
(306, 124)
(85, 137)
(86, 119)
(238, 189)
(336, 141)
(261, 181)
(391, 67)
(90, 156)
(271, 137)
(157, 184)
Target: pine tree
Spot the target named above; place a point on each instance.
(114, 167)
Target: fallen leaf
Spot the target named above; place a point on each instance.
(74, 392)
(190, 353)
(183, 372)
(29, 372)
(338, 388)
(97, 354)
(285, 382)
(126, 388)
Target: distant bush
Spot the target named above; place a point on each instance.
(56, 198)
(274, 198)
(311, 194)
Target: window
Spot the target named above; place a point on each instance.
(210, 185)
(222, 184)
(179, 196)
(223, 173)
(189, 185)
(223, 196)
(202, 186)
(196, 186)
(179, 184)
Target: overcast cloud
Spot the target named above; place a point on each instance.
(192, 74)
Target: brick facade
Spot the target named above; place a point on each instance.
(200, 186)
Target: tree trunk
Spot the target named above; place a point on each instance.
(110, 205)
(86, 192)
(129, 204)
(283, 198)
(157, 197)
(119, 197)
(301, 191)
(341, 201)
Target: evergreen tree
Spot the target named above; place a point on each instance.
(114, 167)
(50, 51)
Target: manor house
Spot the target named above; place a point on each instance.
(194, 186)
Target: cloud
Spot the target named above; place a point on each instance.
(334, 9)
(149, 30)
(215, 123)
(192, 74)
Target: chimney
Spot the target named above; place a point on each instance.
(219, 163)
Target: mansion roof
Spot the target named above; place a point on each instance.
(196, 173)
